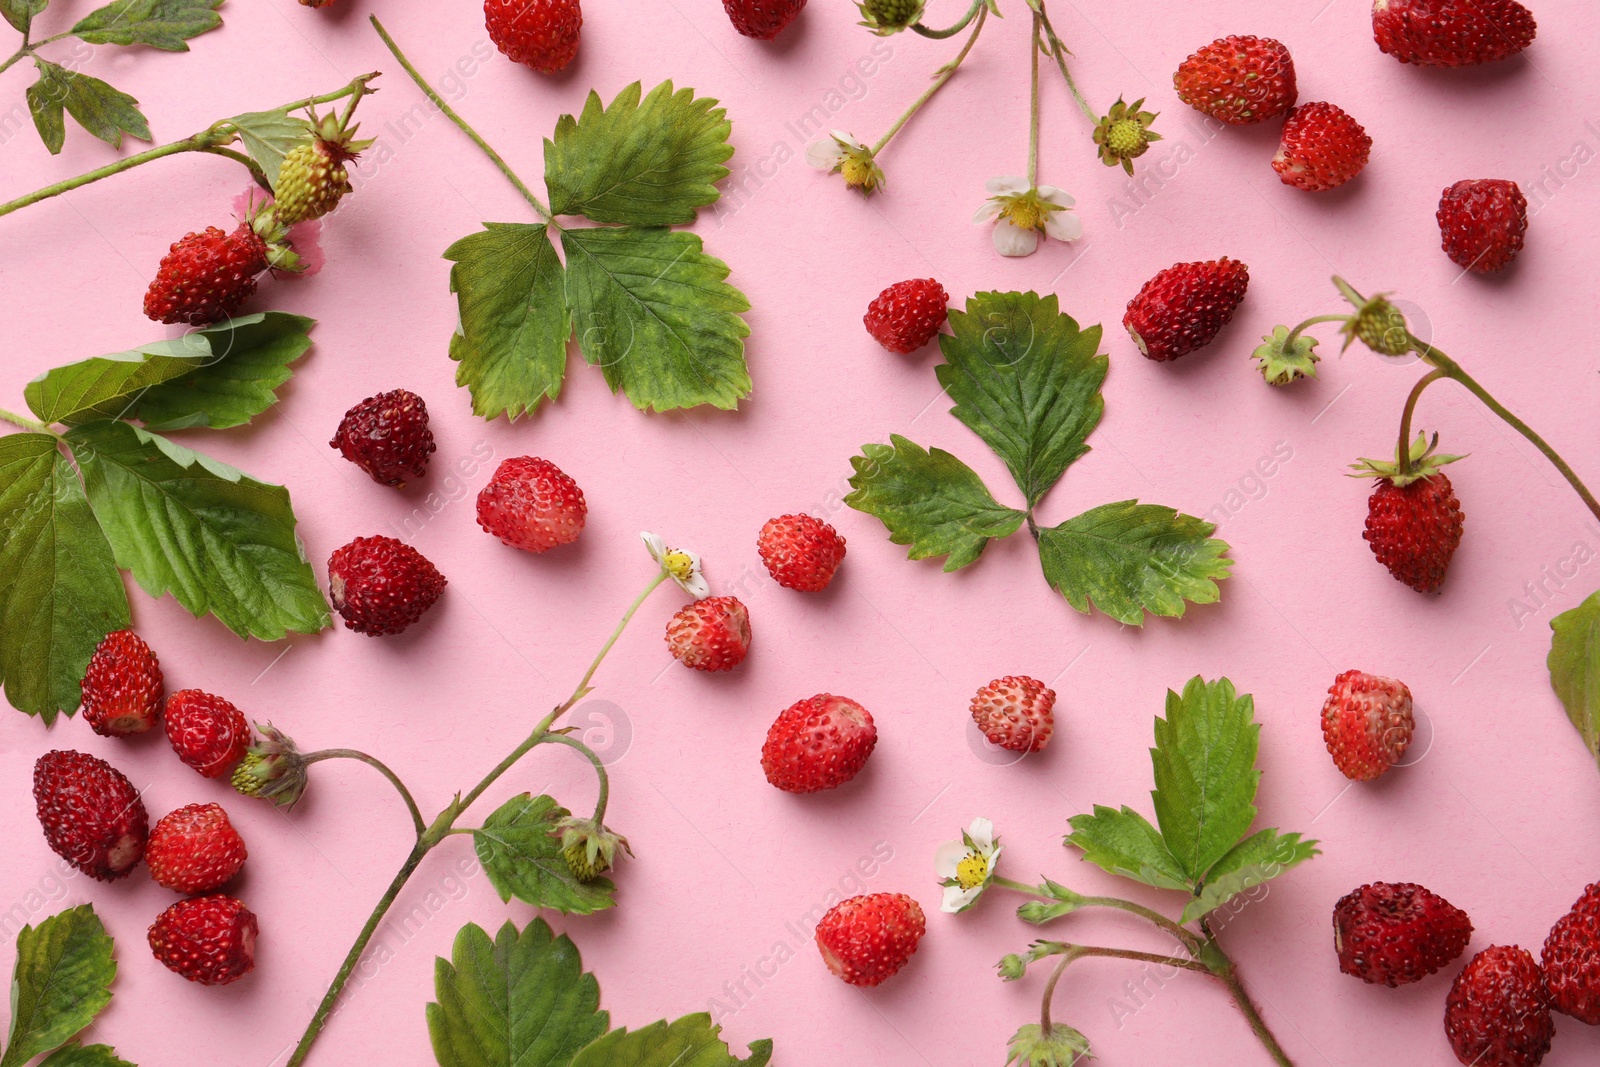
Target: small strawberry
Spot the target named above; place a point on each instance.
(818, 743)
(866, 939)
(1238, 80)
(205, 277)
(313, 177)
(1322, 148)
(886, 17)
(542, 34)
(381, 586)
(210, 940)
(762, 19)
(711, 634)
(1396, 933)
(1571, 959)
(207, 732)
(1414, 520)
(1451, 33)
(800, 552)
(907, 315)
(1185, 306)
(122, 686)
(194, 849)
(1498, 1011)
(1367, 724)
(1014, 712)
(91, 814)
(1482, 223)
(530, 504)
(387, 436)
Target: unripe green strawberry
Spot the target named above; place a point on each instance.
(884, 17)
(313, 178)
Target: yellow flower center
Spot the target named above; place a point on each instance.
(857, 171)
(679, 565)
(1025, 211)
(973, 870)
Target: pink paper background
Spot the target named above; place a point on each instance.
(1500, 813)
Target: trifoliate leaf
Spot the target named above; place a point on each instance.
(519, 849)
(164, 24)
(1205, 771)
(650, 163)
(1026, 380)
(218, 540)
(1128, 558)
(1122, 842)
(1574, 664)
(1259, 858)
(61, 981)
(85, 1056)
(268, 136)
(512, 343)
(929, 500)
(692, 1041)
(521, 1000)
(20, 12)
(654, 312)
(105, 112)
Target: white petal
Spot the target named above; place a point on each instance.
(1013, 240)
(957, 899)
(824, 154)
(696, 585)
(989, 210)
(1052, 195)
(1003, 186)
(657, 547)
(948, 858)
(846, 139)
(994, 860)
(982, 833)
(1063, 226)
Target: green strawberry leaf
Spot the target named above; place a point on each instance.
(1574, 664)
(269, 136)
(164, 24)
(20, 12)
(218, 540)
(518, 848)
(1128, 558)
(105, 112)
(692, 1041)
(929, 500)
(512, 342)
(1205, 773)
(649, 163)
(1027, 380)
(1122, 842)
(521, 1000)
(85, 1056)
(61, 981)
(1259, 858)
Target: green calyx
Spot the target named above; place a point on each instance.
(1012, 967)
(272, 769)
(1285, 358)
(886, 17)
(268, 224)
(1061, 1046)
(589, 848)
(1421, 461)
(1124, 134)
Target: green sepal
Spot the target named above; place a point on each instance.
(1282, 361)
(1425, 462)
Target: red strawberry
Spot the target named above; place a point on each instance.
(867, 939)
(818, 743)
(1451, 33)
(381, 586)
(1396, 933)
(1185, 306)
(1571, 959)
(711, 634)
(542, 34)
(907, 315)
(1498, 1011)
(762, 19)
(1483, 223)
(194, 849)
(387, 436)
(1238, 80)
(1322, 148)
(1414, 520)
(210, 940)
(122, 686)
(92, 816)
(530, 504)
(1367, 724)
(207, 732)
(800, 552)
(206, 276)
(1014, 712)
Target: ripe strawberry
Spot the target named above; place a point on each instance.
(762, 19)
(207, 732)
(530, 504)
(91, 814)
(1413, 519)
(907, 315)
(313, 177)
(210, 940)
(1571, 959)
(1451, 33)
(1185, 306)
(387, 436)
(711, 634)
(205, 277)
(381, 586)
(1238, 80)
(1396, 933)
(1322, 148)
(1367, 724)
(542, 34)
(800, 552)
(868, 938)
(194, 849)
(1483, 223)
(818, 743)
(1498, 1011)
(1014, 712)
(122, 686)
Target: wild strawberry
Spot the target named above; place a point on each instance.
(1451, 33)
(313, 177)
(210, 940)
(818, 743)
(1395, 933)
(800, 552)
(1014, 712)
(1498, 1011)
(1238, 80)
(711, 634)
(907, 315)
(1367, 724)
(1414, 520)
(530, 504)
(205, 277)
(1322, 148)
(1483, 223)
(381, 586)
(91, 814)
(122, 686)
(207, 732)
(387, 436)
(542, 34)
(868, 938)
(885, 17)
(1185, 306)
(762, 19)
(194, 849)
(1571, 959)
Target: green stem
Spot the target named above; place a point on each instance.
(1059, 51)
(1034, 46)
(1295, 333)
(1072, 953)
(937, 35)
(599, 771)
(244, 161)
(383, 769)
(1229, 975)
(941, 76)
(1186, 937)
(26, 423)
(1403, 454)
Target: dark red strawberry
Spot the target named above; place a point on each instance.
(1498, 1011)
(1395, 933)
(387, 436)
(1185, 306)
(91, 814)
(1571, 959)
(1414, 520)
(1482, 223)
(380, 585)
(122, 686)
(1451, 33)
(762, 19)
(210, 940)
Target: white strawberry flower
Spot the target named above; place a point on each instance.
(681, 566)
(966, 867)
(840, 153)
(1021, 212)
